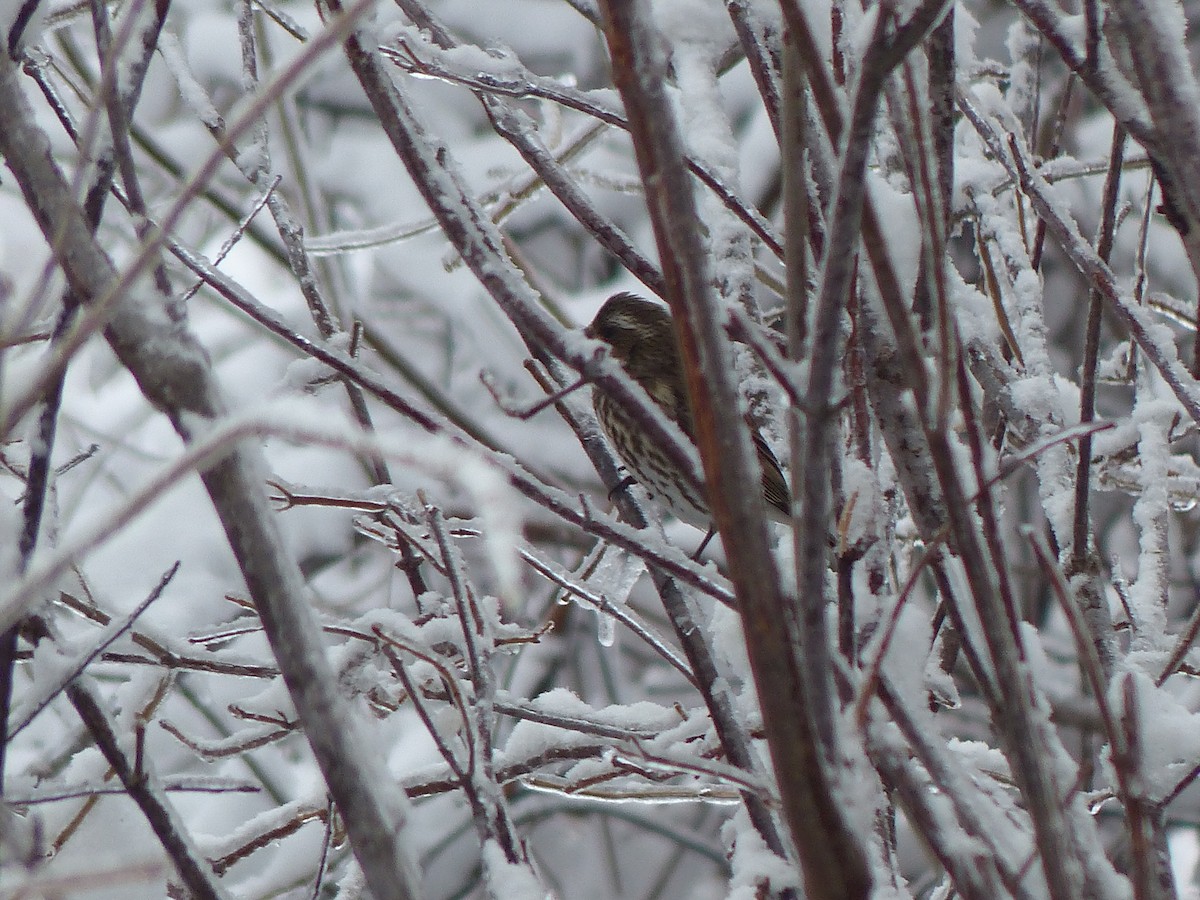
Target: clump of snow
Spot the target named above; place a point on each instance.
(1168, 733)
(509, 880)
(755, 867)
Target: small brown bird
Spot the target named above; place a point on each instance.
(642, 338)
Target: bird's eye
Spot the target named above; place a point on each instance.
(620, 325)
(618, 328)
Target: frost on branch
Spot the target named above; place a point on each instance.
(321, 579)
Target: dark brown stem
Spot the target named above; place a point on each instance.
(681, 612)
(832, 858)
(175, 375)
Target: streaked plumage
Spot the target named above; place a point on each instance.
(642, 338)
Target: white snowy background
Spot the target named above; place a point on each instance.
(605, 761)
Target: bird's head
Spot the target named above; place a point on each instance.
(640, 333)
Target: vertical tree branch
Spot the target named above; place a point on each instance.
(174, 373)
(831, 855)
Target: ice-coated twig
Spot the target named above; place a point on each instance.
(176, 376)
(144, 789)
(231, 241)
(1146, 828)
(111, 294)
(519, 131)
(179, 784)
(974, 876)
(667, 559)
(618, 611)
(391, 645)
(684, 616)
(832, 857)
(232, 745)
(522, 83)
(492, 818)
(52, 687)
(263, 830)
(1148, 334)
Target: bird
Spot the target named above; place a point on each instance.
(641, 338)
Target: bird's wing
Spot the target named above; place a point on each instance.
(774, 485)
